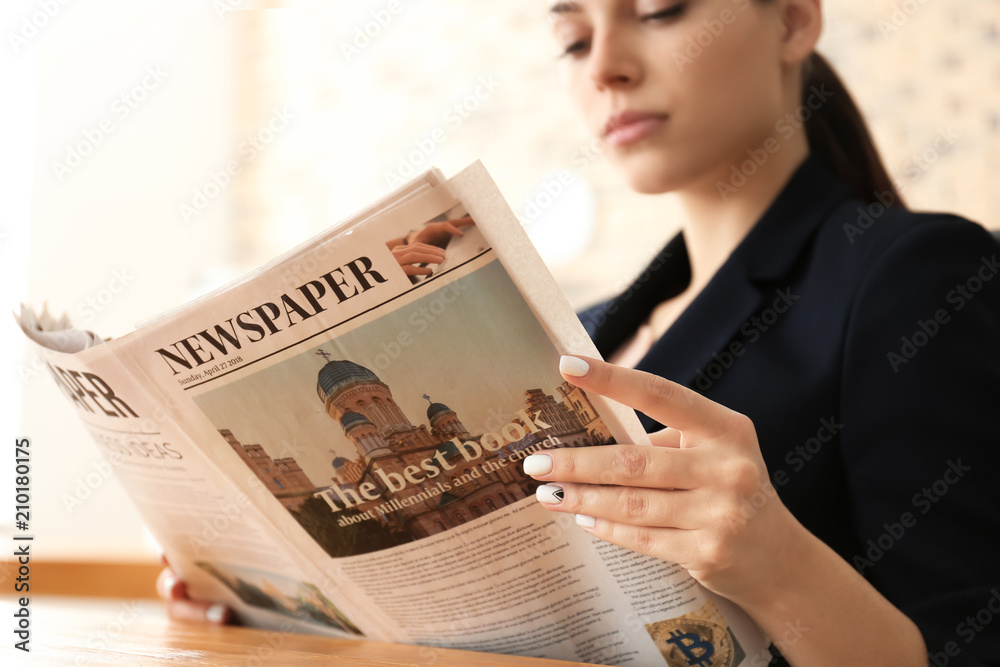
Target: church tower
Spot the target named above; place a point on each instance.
(364, 435)
(445, 424)
(363, 404)
(344, 386)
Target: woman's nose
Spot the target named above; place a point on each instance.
(612, 63)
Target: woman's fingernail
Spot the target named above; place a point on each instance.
(550, 494)
(585, 521)
(574, 366)
(165, 584)
(216, 613)
(538, 464)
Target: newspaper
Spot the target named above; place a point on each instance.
(332, 444)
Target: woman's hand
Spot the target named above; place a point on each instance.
(439, 233)
(410, 256)
(700, 497)
(182, 608)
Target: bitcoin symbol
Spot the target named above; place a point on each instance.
(688, 643)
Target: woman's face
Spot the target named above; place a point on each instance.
(679, 89)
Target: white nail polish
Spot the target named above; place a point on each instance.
(585, 521)
(550, 494)
(215, 613)
(574, 366)
(538, 464)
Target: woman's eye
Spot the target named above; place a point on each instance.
(576, 48)
(668, 13)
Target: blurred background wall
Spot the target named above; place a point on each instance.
(122, 119)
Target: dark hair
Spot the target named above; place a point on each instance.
(838, 134)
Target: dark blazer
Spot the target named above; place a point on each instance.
(864, 343)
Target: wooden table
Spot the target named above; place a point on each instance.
(78, 632)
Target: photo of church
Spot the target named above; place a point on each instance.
(452, 486)
(420, 482)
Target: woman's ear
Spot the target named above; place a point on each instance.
(803, 23)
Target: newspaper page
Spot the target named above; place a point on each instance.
(199, 519)
(378, 418)
(206, 525)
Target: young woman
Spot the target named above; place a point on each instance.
(825, 362)
(830, 464)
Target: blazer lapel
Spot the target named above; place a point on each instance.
(745, 283)
(703, 329)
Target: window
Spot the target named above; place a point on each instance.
(280, 485)
(489, 503)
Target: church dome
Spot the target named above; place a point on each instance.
(339, 374)
(436, 410)
(340, 462)
(352, 419)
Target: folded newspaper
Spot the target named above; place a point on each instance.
(332, 444)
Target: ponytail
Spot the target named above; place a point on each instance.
(838, 135)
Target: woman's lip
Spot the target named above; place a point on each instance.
(634, 130)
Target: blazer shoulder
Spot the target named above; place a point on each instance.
(870, 235)
(873, 228)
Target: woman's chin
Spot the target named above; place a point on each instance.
(656, 171)
(650, 177)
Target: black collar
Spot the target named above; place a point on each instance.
(758, 265)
